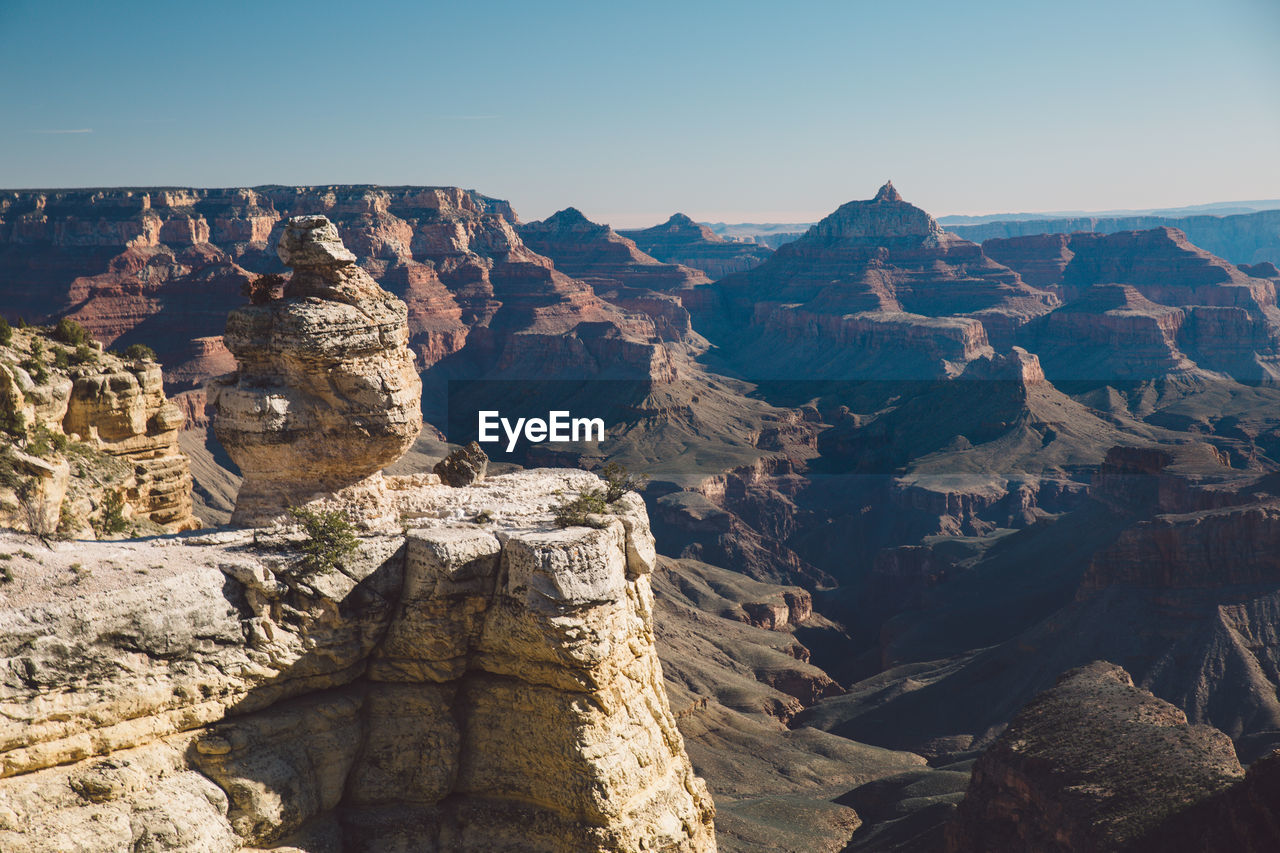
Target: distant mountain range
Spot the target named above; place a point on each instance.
(1243, 232)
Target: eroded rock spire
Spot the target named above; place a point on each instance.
(326, 394)
(888, 193)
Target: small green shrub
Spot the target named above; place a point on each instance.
(619, 481)
(12, 422)
(60, 360)
(38, 372)
(140, 352)
(41, 441)
(577, 511)
(22, 323)
(111, 516)
(32, 507)
(67, 523)
(6, 332)
(9, 476)
(483, 517)
(84, 354)
(330, 538)
(70, 332)
(37, 348)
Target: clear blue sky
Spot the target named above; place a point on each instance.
(738, 111)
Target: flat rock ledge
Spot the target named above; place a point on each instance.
(480, 680)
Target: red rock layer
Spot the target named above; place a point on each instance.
(601, 257)
(875, 289)
(164, 267)
(1039, 259)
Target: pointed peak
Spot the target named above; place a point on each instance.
(679, 219)
(569, 216)
(888, 193)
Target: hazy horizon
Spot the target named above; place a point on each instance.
(730, 112)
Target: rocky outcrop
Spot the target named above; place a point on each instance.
(680, 240)
(617, 270)
(463, 466)
(875, 290)
(470, 685)
(1240, 819)
(1092, 764)
(1039, 259)
(1112, 332)
(326, 394)
(92, 443)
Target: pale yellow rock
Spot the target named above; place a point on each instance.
(118, 408)
(472, 685)
(326, 394)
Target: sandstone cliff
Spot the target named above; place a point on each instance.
(90, 443)
(1244, 238)
(617, 270)
(601, 257)
(1146, 304)
(484, 682)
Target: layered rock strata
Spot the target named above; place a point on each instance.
(618, 271)
(1244, 238)
(326, 395)
(468, 686)
(163, 267)
(1146, 304)
(101, 427)
(876, 290)
(601, 257)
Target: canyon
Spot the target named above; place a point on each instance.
(901, 482)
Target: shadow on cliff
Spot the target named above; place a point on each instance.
(284, 751)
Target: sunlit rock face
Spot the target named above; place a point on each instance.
(462, 686)
(326, 395)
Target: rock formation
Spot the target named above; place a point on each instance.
(1092, 764)
(601, 257)
(617, 270)
(875, 290)
(87, 440)
(473, 685)
(680, 240)
(163, 267)
(326, 394)
(1146, 304)
(463, 466)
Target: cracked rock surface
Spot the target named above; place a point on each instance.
(463, 686)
